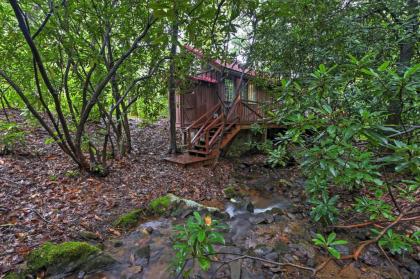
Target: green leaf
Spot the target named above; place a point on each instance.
(204, 263)
(383, 66)
(201, 236)
(331, 237)
(327, 108)
(378, 182)
(334, 253)
(411, 71)
(340, 242)
(321, 237)
(198, 217)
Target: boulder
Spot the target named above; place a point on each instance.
(230, 192)
(128, 220)
(66, 257)
(172, 204)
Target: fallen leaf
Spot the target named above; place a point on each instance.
(114, 232)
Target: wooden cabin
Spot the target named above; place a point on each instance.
(221, 100)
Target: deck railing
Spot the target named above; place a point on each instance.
(208, 129)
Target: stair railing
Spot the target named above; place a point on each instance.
(200, 123)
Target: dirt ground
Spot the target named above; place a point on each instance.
(44, 197)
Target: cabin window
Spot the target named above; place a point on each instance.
(229, 90)
(244, 91)
(252, 92)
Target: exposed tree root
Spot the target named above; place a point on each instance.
(365, 224)
(358, 251)
(241, 257)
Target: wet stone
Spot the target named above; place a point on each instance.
(230, 249)
(291, 216)
(296, 200)
(81, 275)
(249, 206)
(259, 219)
(371, 256)
(142, 255)
(273, 256)
(276, 269)
(410, 264)
(343, 249)
(149, 230)
(302, 250)
(262, 218)
(186, 213)
(235, 269)
(117, 243)
(88, 235)
(262, 251)
(277, 211)
(280, 219)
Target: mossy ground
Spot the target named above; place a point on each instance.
(160, 205)
(128, 220)
(51, 254)
(230, 192)
(14, 275)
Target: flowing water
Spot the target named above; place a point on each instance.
(147, 252)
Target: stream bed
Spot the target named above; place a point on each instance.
(267, 218)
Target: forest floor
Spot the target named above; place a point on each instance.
(44, 197)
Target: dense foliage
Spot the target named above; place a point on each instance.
(74, 64)
(345, 77)
(349, 95)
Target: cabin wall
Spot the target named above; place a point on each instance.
(203, 97)
(195, 102)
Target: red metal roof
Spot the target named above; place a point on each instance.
(231, 66)
(204, 78)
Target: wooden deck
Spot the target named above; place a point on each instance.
(186, 159)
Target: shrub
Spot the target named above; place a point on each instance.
(11, 136)
(196, 240)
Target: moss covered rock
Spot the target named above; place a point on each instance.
(14, 275)
(230, 192)
(128, 220)
(160, 205)
(67, 257)
(172, 205)
(241, 144)
(51, 254)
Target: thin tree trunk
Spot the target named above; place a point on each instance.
(407, 50)
(172, 87)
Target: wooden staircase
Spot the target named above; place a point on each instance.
(213, 139)
(206, 137)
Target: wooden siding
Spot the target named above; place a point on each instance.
(203, 96)
(196, 102)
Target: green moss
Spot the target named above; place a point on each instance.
(51, 254)
(14, 275)
(230, 192)
(128, 220)
(160, 205)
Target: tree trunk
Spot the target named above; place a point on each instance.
(407, 49)
(172, 87)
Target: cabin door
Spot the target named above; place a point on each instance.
(188, 107)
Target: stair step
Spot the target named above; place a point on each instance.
(198, 151)
(200, 146)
